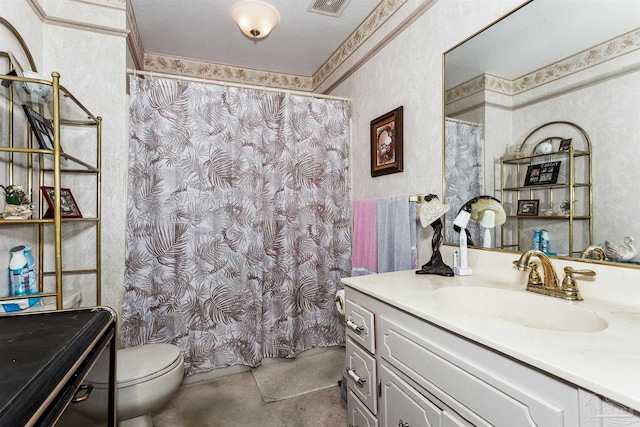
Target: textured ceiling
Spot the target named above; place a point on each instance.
(203, 30)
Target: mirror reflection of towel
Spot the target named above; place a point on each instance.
(396, 234)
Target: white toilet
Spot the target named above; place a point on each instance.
(148, 375)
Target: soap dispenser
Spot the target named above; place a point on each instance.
(18, 272)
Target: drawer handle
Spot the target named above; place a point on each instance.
(86, 389)
(402, 423)
(352, 373)
(357, 329)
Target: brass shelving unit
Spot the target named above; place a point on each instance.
(18, 143)
(511, 232)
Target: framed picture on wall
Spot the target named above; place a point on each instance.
(528, 207)
(565, 144)
(68, 206)
(542, 174)
(41, 127)
(386, 143)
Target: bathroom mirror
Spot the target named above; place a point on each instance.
(571, 60)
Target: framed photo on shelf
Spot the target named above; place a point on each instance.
(68, 206)
(41, 127)
(543, 173)
(565, 144)
(386, 143)
(528, 207)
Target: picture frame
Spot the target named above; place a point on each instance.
(386, 143)
(68, 206)
(542, 174)
(41, 127)
(565, 144)
(528, 207)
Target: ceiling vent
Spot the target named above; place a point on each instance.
(328, 7)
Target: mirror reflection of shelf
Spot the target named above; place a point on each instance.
(572, 231)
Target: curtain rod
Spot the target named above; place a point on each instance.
(449, 119)
(223, 83)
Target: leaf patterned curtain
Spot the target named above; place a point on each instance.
(464, 173)
(238, 228)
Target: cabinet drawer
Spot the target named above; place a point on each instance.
(401, 405)
(361, 375)
(360, 325)
(357, 414)
(449, 419)
(424, 360)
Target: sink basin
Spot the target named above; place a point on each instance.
(522, 308)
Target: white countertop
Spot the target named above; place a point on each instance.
(606, 362)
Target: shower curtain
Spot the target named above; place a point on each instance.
(238, 228)
(464, 173)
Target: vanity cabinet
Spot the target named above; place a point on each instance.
(570, 229)
(46, 357)
(429, 376)
(361, 371)
(33, 133)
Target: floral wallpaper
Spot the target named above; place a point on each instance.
(212, 70)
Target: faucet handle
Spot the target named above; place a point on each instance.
(569, 284)
(534, 277)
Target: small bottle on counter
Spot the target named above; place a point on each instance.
(31, 262)
(544, 241)
(536, 239)
(18, 272)
(456, 259)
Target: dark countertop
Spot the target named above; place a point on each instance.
(38, 352)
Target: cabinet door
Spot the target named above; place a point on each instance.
(357, 414)
(403, 406)
(598, 411)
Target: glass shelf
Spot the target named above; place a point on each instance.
(529, 159)
(546, 217)
(72, 112)
(544, 186)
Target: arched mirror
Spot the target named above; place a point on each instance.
(571, 63)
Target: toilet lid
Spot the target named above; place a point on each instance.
(142, 363)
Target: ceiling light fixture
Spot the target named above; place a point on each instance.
(255, 18)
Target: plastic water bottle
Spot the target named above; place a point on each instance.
(544, 241)
(536, 239)
(18, 272)
(31, 262)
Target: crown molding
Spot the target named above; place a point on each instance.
(78, 25)
(134, 42)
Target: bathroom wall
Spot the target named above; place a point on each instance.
(85, 42)
(406, 71)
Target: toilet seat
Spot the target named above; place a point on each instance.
(140, 364)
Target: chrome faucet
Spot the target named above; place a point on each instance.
(549, 284)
